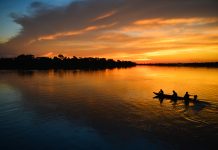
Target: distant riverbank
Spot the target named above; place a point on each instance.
(61, 62)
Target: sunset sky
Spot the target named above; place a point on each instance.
(137, 30)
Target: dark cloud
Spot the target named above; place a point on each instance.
(36, 5)
(45, 20)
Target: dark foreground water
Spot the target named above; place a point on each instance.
(110, 109)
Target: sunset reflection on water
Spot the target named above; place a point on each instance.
(108, 109)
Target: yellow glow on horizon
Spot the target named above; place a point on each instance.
(143, 41)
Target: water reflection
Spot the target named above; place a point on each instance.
(198, 106)
(25, 73)
(111, 108)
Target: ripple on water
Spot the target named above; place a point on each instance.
(114, 108)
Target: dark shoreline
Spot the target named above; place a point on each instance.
(30, 62)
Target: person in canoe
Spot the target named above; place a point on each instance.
(186, 98)
(195, 98)
(174, 96)
(161, 93)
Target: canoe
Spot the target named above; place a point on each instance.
(167, 96)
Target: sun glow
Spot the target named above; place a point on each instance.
(143, 41)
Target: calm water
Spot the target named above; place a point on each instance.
(110, 109)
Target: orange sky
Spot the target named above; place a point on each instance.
(119, 32)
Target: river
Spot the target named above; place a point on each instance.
(108, 109)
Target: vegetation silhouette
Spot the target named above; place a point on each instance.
(61, 62)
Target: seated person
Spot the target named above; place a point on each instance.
(174, 96)
(195, 98)
(161, 93)
(186, 96)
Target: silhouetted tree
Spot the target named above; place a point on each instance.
(61, 56)
(61, 62)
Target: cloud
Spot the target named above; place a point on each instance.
(176, 21)
(104, 16)
(74, 33)
(109, 27)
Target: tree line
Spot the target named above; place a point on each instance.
(61, 62)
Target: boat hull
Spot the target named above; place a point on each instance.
(167, 96)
